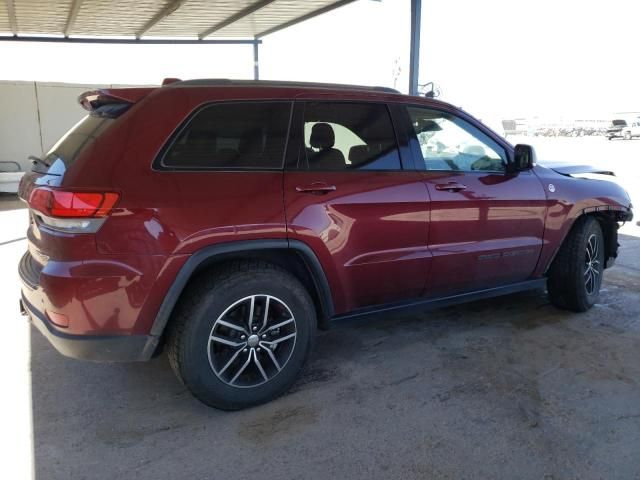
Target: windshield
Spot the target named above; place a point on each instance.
(619, 123)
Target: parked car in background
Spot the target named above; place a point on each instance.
(226, 220)
(515, 127)
(632, 130)
(615, 130)
(10, 176)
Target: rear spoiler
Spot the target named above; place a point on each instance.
(93, 101)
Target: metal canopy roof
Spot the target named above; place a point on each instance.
(154, 19)
(172, 21)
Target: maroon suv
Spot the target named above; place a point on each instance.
(226, 220)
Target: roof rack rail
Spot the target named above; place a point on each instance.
(277, 83)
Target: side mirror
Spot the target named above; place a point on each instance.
(524, 157)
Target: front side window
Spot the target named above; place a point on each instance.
(248, 135)
(349, 136)
(449, 143)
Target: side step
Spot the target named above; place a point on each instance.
(421, 305)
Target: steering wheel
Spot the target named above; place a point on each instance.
(451, 163)
(484, 163)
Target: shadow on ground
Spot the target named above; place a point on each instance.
(502, 388)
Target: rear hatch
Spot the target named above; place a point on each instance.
(60, 215)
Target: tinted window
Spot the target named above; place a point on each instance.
(81, 135)
(356, 136)
(232, 135)
(449, 143)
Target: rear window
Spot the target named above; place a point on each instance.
(249, 135)
(68, 148)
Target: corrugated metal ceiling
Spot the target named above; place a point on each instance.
(204, 19)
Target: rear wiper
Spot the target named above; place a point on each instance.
(37, 160)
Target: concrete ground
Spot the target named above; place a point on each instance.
(502, 388)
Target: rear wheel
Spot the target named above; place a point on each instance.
(576, 273)
(240, 336)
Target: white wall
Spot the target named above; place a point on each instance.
(59, 109)
(34, 115)
(19, 124)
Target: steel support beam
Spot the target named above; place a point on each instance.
(414, 56)
(235, 17)
(11, 13)
(71, 18)
(256, 61)
(130, 41)
(165, 12)
(302, 18)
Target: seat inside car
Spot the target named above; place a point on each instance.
(250, 147)
(200, 147)
(326, 157)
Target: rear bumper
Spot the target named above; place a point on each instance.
(99, 348)
(116, 348)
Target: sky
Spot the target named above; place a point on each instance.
(495, 58)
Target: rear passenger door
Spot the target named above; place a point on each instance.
(226, 162)
(348, 197)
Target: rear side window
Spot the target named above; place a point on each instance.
(248, 135)
(349, 136)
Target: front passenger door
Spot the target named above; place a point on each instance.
(486, 223)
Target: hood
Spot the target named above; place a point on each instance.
(568, 169)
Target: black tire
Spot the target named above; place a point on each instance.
(574, 280)
(194, 353)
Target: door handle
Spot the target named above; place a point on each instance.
(317, 188)
(451, 186)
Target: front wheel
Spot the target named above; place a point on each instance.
(627, 135)
(240, 336)
(575, 276)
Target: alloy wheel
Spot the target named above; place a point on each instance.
(592, 265)
(252, 341)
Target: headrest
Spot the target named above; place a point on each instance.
(322, 136)
(474, 150)
(251, 142)
(359, 154)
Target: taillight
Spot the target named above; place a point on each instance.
(72, 211)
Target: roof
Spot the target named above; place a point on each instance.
(204, 91)
(250, 89)
(222, 82)
(191, 19)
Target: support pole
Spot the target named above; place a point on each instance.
(414, 60)
(256, 62)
